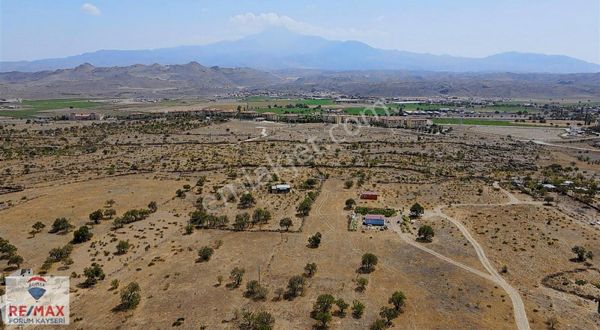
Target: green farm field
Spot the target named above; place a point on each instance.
(32, 107)
(473, 121)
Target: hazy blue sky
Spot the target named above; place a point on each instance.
(40, 29)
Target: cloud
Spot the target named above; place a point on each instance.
(258, 22)
(252, 23)
(90, 9)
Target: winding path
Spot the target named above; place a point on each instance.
(518, 307)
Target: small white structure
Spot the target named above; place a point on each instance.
(280, 188)
(25, 272)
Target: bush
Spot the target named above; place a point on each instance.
(96, 216)
(368, 262)
(425, 233)
(261, 216)
(416, 210)
(350, 203)
(315, 240)
(379, 211)
(205, 253)
(122, 247)
(256, 321)
(296, 285)
(237, 274)
(255, 291)
(82, 234)
(58, 254)
(246, 201)
(286, 223)
(131, 216)
(93, 274)
(130, 296)
(60, 225)
(358, 309)
(310, 269)
(152, 206)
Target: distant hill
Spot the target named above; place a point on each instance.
(282, 49)
(194, 79)
(136, 80)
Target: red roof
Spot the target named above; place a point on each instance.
(370, 193)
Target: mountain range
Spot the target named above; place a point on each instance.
(194, 79)
(279, 49)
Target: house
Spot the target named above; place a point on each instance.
(281, 188)
(418, 122)
(374, 220)
(369, 195)
(271, 116)
(248, 114)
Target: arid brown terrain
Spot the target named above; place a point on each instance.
(169, 190)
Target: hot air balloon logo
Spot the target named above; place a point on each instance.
(36, 286)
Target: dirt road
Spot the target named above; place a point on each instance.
(518, 307)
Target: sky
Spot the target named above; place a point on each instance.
(31, 29)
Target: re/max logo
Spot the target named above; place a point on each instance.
(44, 311)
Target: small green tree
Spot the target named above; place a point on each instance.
(389, 314)
(368, 262)
(38, 226)
(582, 253)
(93, 274)
(246, 201)
(256, 321)
(324, 318)
(16, 260)
(310, 269)
(123, 247)
(350, 203)
(189, 229)
(237, 274)
(261, 216)
(83, 234)
(205, 253)
(241, 221)
(286, 223)
(358, 309)
(362, 283)
(304, 208)
(255, 291)
(315, 240)
(342, 306)
(153, 207)
(416, 210)
(130, 296)
(379, 324)
(96, 216)
(109, 213)
(348, 184)
(60, 225)
(180, 193)
(296, 285)
(425, 233)
(397, 299)
(324, 303)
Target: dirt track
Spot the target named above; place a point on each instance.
(518, 307)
